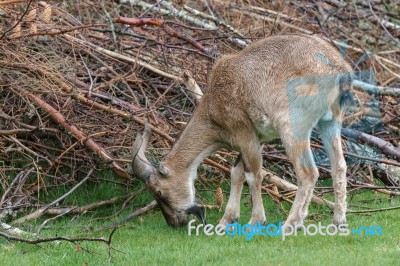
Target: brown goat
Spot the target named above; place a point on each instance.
(280, 87)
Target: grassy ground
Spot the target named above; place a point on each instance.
(149, 241)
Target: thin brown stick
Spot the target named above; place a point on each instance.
(57, 32)
(14, 131)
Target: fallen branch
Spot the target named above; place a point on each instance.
(41, 211)
(162, 24)
(182, 14)
(54, 32)
(59, 238)
(188, 81)
(241, 43)
(88, 142)
(141, 21)
(380, 190)
(14, 230)
(131, 216)
(275, 195)
(378, 160)
(285, 185)
(14, 131)
(82, 209)
(51, 219)
(376, 89)
(305, 31)
(384, 146)
(185, 16)
(121, 113)
(374, 210)
(12, 138)
(8, 2)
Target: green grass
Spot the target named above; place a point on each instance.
(149, 241)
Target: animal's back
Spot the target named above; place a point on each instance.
(273, 77)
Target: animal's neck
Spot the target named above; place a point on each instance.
(197, 141)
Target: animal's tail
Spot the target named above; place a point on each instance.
(345, 82)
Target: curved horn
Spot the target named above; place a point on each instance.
(141, 167)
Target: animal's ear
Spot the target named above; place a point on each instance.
(141, 167)
(164, 171)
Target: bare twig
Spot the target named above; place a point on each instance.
(19, 20)
(374, 210)
(131, 216)
(59, 238)
(41, 211)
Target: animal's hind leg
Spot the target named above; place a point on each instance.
(330, 135)
(232, 211)
(299, 152)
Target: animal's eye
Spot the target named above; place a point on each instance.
(159, 193)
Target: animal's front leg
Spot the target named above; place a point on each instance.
(252, 161)
(232, 211)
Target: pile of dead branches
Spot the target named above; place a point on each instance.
(77, 82)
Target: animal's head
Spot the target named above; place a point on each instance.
(174, 195)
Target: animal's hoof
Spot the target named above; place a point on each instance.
(339, 219)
